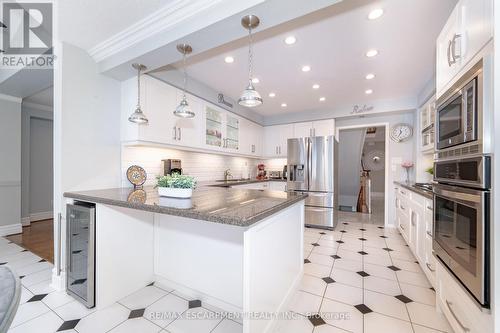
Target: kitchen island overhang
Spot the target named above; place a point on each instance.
(238, 250)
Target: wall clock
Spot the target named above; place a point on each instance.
(401, 132)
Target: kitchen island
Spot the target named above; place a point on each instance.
(239, 250)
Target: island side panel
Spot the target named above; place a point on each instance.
(201, 259)
(274, 259)
(124, 252)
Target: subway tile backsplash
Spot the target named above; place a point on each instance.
(202, 166)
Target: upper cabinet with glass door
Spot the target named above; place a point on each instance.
(213, 127)
(232, 140)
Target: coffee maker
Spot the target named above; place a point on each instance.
(171, 166)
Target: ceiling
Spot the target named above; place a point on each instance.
(333, 42)
(89, 22)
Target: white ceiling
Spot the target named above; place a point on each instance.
(88, 22)
(333, 42)
(44, 97)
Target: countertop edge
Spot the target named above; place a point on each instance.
(188, 214)
(411, 187)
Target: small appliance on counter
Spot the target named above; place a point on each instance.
(275, 175)
(171, 166)
(261, 172)
(284, 174)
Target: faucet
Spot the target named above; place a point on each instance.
(227, 175)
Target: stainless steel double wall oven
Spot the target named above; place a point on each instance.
(462, 193)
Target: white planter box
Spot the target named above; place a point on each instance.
(175, 192)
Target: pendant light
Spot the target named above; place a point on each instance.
(250, 97)
(138, 116)
(183, 110)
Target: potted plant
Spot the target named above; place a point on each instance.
(175, 186)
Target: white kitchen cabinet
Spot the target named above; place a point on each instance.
(275, 142)
(427, 115)
(468, 29)
(314, 128)
(463, 314)
(277, 186)
(250, 138)
(429, 261)
(186, 131)
(222, 129)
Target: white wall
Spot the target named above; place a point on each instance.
(10, 165)
(204, 167)
(43, 201)
(398, 152)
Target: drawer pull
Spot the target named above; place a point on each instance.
(402, 207)
(449, 304)
(429, 267)
(429, 233)
(429, 207)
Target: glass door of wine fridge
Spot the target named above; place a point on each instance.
(80, 254)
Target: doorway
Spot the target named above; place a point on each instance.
(363, 174)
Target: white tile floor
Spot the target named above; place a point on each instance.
(347, 287)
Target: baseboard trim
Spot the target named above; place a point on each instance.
(11, 229)
(41, 216)
(25, 221)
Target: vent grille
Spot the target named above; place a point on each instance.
(460, 151)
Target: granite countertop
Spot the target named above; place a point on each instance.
(417, 189)
(237, 207)
(230, 183)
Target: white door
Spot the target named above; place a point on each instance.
(271, 140)
(286, 132)
(189, 131)
(159, 101)
(324, 127)
(477, 26)
(302, 130)
(448, 42)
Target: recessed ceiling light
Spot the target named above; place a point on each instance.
(375, 14)
(255, 80)
(369, 92)
(322, 99)
(306, 68)
(283, 105)
(370, 76)
(371, 53)
(290, 40)
(229, 60)
(272, 95)
(316, 86)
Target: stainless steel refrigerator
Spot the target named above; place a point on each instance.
(312, 168)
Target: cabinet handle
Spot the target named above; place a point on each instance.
(402, 207)
(280, 150)
(429, 267)
(175, 133)
(429, 233)
(429, 208)
(448, 53)
(276, 150)
(449, 305)
(454, 56)
(179, 130)
(402, 192)
(59, 250)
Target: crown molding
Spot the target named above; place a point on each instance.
(158, 22)
(10, 98)
(37, 106)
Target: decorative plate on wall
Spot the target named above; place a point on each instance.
(136, 175)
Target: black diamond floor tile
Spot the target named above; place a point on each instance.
(362, 239)
(335, 256)
(151, 284)
(307, 261)
(345, 223)
(2, 263)
(21, 276)
(195, 304)
(314, 244)
(316, 320)
(343, 231)
(362, 229)
(42, 260)
(136, 313)
(328, 280)
(383, 236)
(394, 268)
(322, 233)
(380, 227)
(363, 253)
(68, 325)
(404, 299)
(363, 308)
(432, 288)
(363, 273)
(37, 298)
(340, 242)
(387, 249)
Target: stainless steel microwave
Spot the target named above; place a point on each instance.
(459, 111)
